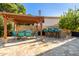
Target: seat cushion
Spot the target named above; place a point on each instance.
(45, 30)
(27, 34)
(20, 34)
(28, 31)
(13, 33)
(51, 29)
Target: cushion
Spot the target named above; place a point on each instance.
(20, 34)
(13, 33)
(27, 34)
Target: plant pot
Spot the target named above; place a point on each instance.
(75, 34)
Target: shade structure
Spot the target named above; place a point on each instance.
(20, 18)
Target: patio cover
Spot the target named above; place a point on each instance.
(20, 18)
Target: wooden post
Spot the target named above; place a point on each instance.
(5, 28)
(15, 25)
(37, 27)
(41, 29)
(41, 32)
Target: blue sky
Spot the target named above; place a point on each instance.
(48, 9)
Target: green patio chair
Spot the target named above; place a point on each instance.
(14, 34)
(20, 34)
(54, 31)
(46, 31)
(28, 33)
(50, 29)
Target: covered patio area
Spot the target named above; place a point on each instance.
(21, 19)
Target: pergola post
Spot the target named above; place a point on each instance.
(5, 28)
(37, 27)
(15, 25)
(41, 30)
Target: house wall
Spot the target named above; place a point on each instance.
(50, 21)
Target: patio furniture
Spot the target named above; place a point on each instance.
(20, 34)
(14, 34)
(46, 31)
(57, 32)
(52, 31)
(28, 33)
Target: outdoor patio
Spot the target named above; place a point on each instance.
(23, 34)
(31, 47)
(70, 48)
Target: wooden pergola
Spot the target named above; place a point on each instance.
(21, 18)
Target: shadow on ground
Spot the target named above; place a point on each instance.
(12, 42)
(68, 49)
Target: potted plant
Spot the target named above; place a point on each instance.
(70, 21)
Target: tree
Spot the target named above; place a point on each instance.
(1, 25)
(66, 20)
(29, 14)
(8, 7)
(70, 20)
(21, 8)
(12, 8)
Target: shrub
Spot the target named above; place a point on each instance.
(70, 20)
(9, 26)
(1, 25)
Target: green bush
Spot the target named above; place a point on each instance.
(9, 26)
(1, 25)
(70, 20)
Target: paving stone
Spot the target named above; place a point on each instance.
(69, 49)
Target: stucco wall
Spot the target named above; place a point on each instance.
(50, 21)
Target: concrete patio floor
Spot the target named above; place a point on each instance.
(32, 47)
(68, 49)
